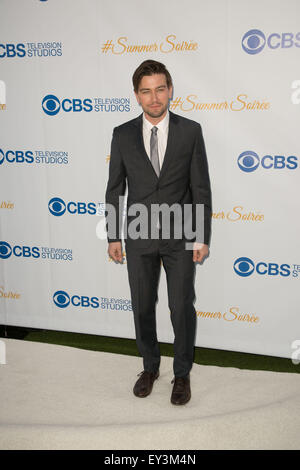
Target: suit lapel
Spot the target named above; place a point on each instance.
(172, 144)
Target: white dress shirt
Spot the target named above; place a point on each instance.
(162, 136)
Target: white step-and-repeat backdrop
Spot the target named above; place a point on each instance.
(65, 83)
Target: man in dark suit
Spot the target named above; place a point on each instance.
(162, 156)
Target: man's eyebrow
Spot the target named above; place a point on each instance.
(160, 86)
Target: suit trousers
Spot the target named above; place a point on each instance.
(144, 267)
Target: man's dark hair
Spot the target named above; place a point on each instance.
(150, 67)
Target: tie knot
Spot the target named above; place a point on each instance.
(154, 130)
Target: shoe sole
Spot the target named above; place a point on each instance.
(180, 404)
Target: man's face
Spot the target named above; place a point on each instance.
(154, 95)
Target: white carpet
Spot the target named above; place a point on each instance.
(58, 397)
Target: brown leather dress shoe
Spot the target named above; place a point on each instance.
(181, 392)
(144, 384)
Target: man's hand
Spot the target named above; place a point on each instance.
(200, 252)
(115, 251)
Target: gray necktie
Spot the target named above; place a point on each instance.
(154, 156)
(154, 150)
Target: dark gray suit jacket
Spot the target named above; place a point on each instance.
(184, 176)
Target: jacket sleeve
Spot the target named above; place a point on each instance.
(200, 185)
(115, 188)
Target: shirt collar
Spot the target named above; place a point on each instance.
(162, 125)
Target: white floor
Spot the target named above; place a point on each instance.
(58, 397)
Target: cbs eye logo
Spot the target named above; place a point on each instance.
(248, 161)
(57, 206)
(61, 299)
(243, 267)
(51, 105)
(5, 250)
(253, 41)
